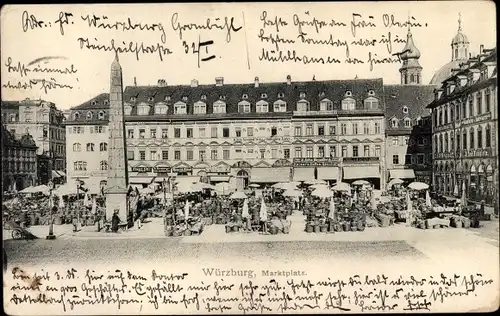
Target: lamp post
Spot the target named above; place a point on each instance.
(78, 183)
(51, 235)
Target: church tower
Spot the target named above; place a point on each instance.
(117, 184)
(460, 44)
(411, 71)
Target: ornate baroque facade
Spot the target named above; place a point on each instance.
(464, 130)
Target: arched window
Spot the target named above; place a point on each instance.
(219, 107)
(452, 142)
(244, 107)
(76, 116)
(412, 78)
(279, 106)
(456, 53)
(89, 115)
(180, 108)
(326, 105)
(90, 146)
(303, 106)
(200, 108)
(488, 136)
(101, 115)
(441, 143)
(77, 147)
(348, 104)
(104, 165)
(262, 107)
(103, 146)
(464, 140)
(394, 122)
(446, 142)
(471, 138)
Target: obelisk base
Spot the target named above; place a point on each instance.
(116, 200)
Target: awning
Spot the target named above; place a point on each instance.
(140, 180)
(61, 173)
(270, 175)
(361, 172)
(219, 178)
(328, 173)
(402, 174)
(55, 174)
(303, 174)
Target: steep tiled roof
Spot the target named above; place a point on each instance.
(10, 104)
(232, 94)
(414, 97)
(9, 140)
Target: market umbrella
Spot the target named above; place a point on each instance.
(65, 189)
(463, 199)
(27, 190)
(86, 200)
(254, 185)
(94, 206)
(341, 186)
(354, 196)
(162, 195)
(263, 211)
(245, 213)
(186, 210)
(292, 193)
(428, 199)
(394, 181)
(360, 182)
(418, 186)
(409, 209)
(146, 191)
(203, 185)
(322, 193)
(14, 187)
(455, 190)
(238, 195)
(319, 185)
(331, 214)
(373, 202)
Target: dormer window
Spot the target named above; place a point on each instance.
(127, 109)
(219, 107)
(203, 97)
(244, 107)
(184, 98)
(302, 95)
(151, 99)
(167, 98)
(394, 123)
(280, 106)
(348, 104)
(281, 95)
(222, 97)
(133, 99)
(405, 109)
(244, 96)
(348, 93)
(106, 102)
(371, 92)
(303, 106)
(89, 115)
(371, 103)
(180, 108)
(161, 108)
(407, 122)
(93, 103)
(263, 95)
(76, 116)
(200, 108)
(326, 105)
(322, 94)
(262, 106)
(101, 115)
(143, 109)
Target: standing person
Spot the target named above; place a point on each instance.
(115, 221)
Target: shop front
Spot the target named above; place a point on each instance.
(182, 169)
(141, 176)
(240, 173)
(270, 175)
(219, 173)
(362, 168)
(308, 169)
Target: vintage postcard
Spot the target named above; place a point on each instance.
(250, 158)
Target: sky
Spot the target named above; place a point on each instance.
(34, 34)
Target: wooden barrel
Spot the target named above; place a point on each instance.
(317, 228)
(187, 232)
(361, 226)
(324, 228)
(346, 226)
(237, 218)
(274, 230)
(309, 228)
(466, 222)
(235, 228)
(228, 229)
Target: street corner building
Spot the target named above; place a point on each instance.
(43, 122)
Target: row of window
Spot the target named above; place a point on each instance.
(19, 153)
(97, 129)
(473, 139)
(395, 141)
(418, 159)
(274, 153)
(19, 166)
(320, 130)
(90, 147)
(407, 122)
(474, 106)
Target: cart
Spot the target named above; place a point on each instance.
(18, 232)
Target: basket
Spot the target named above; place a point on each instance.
(309, 228)
(228, 229)
(324, 228)
(346, 226)
(317, 228)
(187, 232)
(235, 228)
(274, 230)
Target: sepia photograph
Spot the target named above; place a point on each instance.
(250, 158)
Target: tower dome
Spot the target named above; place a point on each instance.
(410, 50)
(411, 71)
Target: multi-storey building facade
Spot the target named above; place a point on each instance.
(19, 167)
(241, 133)
(44, 122)
(464, 125)
(408, 125)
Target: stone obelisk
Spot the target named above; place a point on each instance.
(117, 185)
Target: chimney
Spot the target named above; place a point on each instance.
(256, 82)
(481, 49)
(162, 83)
(194, 83)
(288, 79)
(219, 81)
(135, 81)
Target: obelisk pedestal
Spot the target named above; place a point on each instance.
(117, 184)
